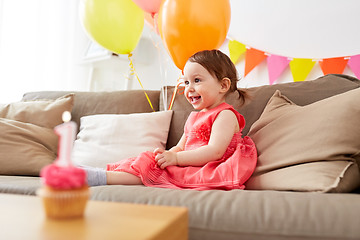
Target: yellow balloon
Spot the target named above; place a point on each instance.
(116, 25)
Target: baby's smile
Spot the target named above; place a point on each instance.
(194, 99)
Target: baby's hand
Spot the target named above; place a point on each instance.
(165, 158)
(158, 150)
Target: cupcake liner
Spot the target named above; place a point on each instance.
(64, 203)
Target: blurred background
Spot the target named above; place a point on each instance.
(43, 45)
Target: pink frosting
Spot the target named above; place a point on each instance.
(63, 177)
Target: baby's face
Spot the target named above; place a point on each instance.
(202, 90)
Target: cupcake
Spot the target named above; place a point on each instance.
(65, 192)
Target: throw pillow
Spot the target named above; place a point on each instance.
(108, 138)
(25, 148)
(308, 148)
(44, 113)
(27, 139)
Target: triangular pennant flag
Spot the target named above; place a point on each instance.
(354, 64)
(236, 49)
(333, 65)
(300, 68)
(276, 66)
(253, 57)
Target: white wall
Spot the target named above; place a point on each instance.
(297, 29)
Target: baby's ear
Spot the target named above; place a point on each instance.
(225, 84)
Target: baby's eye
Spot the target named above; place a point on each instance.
(197, 80)
(186, 82)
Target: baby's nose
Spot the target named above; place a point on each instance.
(191, 85)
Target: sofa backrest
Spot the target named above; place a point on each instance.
(301, 93)
(134, 101)
(114, 102)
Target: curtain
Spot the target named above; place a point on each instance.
(41, 46)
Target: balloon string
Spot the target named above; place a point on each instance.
(133, 72)
(153, 15)
(174, 93)
(163, 72)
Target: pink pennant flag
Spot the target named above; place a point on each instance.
(276, 66)
(354, 64)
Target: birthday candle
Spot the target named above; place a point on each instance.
(66, 132)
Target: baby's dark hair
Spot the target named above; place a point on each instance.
(220, 66)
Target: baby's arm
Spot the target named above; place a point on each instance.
(223, 129)
(180, 145)
(177, 148)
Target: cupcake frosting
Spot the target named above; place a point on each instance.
(63, 177)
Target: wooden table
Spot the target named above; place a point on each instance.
(23, 217)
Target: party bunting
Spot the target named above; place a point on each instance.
(300, 68)
(276, 66)
(253, 57)
(354, 64)
(236, 49)
(333, 65)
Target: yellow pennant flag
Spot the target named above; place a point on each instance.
(236, 49)
(300, 68)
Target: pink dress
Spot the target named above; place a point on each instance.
(229, 172)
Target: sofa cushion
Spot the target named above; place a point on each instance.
(19, 184)
(245, 214)
(301, 93)
(27, 140)
(109, 138)
(308, 148)
(43, 112)
(25, 148)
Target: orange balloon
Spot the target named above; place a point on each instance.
(188, 26)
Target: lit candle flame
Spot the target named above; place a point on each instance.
(66, 116)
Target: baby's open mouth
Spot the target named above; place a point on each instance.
(194, 99)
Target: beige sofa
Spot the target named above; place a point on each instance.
(297, 199)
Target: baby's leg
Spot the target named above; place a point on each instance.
(99, 176)
(122, 178)
(95, 176)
